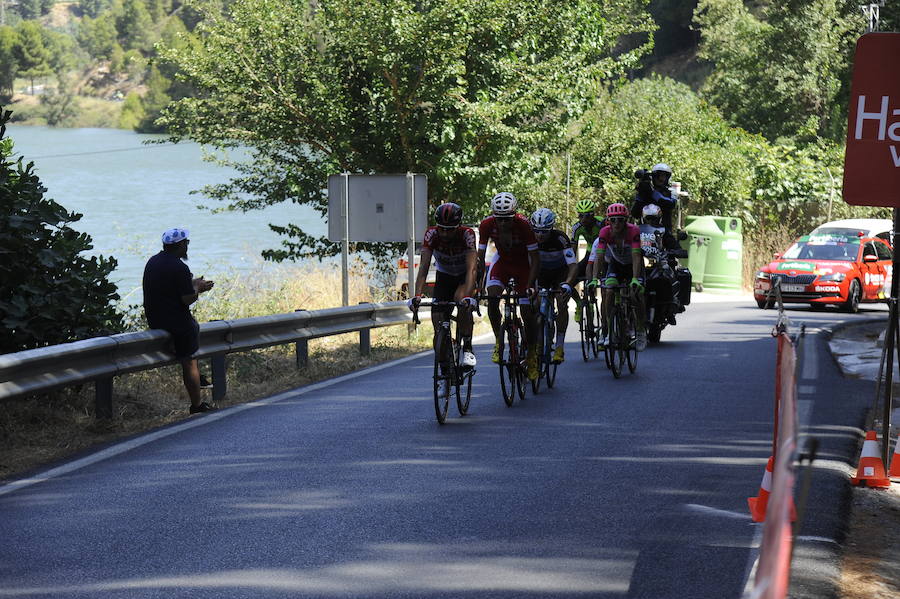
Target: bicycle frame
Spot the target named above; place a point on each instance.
(512, 344)
(621, 327)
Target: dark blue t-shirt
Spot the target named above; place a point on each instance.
(166, 280)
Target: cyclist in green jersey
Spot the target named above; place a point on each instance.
(587, 227)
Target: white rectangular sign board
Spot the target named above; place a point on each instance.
(378, 207)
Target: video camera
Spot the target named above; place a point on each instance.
(644, 185)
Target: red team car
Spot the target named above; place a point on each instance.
(842, 263)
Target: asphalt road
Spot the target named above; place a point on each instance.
(634, 487)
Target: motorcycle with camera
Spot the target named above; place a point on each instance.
(667, 286)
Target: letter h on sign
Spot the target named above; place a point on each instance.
(872, 160)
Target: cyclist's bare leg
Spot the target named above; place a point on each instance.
(562, 314)
(438, 315)
(605, 302)
(493, 309)
(530, 320)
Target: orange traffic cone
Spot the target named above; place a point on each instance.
(758, 504)
(871, 468)
(895, 461)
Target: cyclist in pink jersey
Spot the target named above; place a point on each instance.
(517, 258)
(616, 255)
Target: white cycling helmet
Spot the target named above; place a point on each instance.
(543, 219)
(651, 210)
(503, 204)
(662, 167)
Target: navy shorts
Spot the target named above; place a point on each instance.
(186, 342)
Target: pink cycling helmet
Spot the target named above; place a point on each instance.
(617, 209)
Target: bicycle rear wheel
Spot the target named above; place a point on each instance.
(464, 392)
(508, 367)
(594, 322)
(443, 376)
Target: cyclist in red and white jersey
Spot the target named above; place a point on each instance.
(453, 248)
(517, 258)
(616, 255)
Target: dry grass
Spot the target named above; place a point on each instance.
(36, 431)
(760, 246)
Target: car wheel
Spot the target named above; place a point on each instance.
(854, 294)
(817, 307)
(764, 304)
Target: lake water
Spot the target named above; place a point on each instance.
(129, 193)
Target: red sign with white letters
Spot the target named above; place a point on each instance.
(872, 159)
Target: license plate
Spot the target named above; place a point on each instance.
(793, 288)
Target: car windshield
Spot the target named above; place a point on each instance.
(829, 246)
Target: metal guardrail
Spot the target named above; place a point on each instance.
(101, 359)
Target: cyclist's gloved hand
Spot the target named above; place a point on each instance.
(593, 283)
(413, 302)
(566, 288)
(611, 282)
(636, 284)
(469, 301)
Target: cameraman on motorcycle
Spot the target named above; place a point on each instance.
(653, 188)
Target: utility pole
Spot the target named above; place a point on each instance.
(872, 12)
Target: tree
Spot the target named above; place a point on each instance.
(153, 102)
(30, 9)
(98, 36)
(475, 93)
(9, 39)
(93, 8)
(136, 27)
(49, 291)
(31, 53)
(786, 75)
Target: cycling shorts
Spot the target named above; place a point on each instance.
(622, 272)
(445, 286)
(550, 279)
(500, 272)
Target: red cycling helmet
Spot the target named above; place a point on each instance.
(617, 209)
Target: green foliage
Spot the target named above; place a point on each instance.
(474, 93)
(99, 37)
(787, 75)
(30, 9)
(153, 102)
(135, 26)
(132, 112)
(9, 39)
(49, 292)
(93, 8)
(31, 53)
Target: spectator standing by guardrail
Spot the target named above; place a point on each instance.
(169, 290)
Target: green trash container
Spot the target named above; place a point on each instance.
(724, 261)
(715, 246)
(700, 231)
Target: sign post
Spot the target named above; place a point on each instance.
(872, 165)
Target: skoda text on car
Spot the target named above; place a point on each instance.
(836, 266)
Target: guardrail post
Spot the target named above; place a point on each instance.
(103, 389)
(301, 349)
(220, 382)
(365, 340)
(302, 352)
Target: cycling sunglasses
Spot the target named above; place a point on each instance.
(616, 219)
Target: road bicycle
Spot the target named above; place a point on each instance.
(587, 325)
(622, 319)
(449, 374)
(512, 344)
(546, 327)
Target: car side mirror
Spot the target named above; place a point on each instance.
(776, 256)
(870, 258)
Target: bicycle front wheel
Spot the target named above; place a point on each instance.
(464, 392)
(632, 352)
(443, 376)
(615, 355)
(521, 371)
(549, 347)
(508, 367)
(585, 327)
(536, 382)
